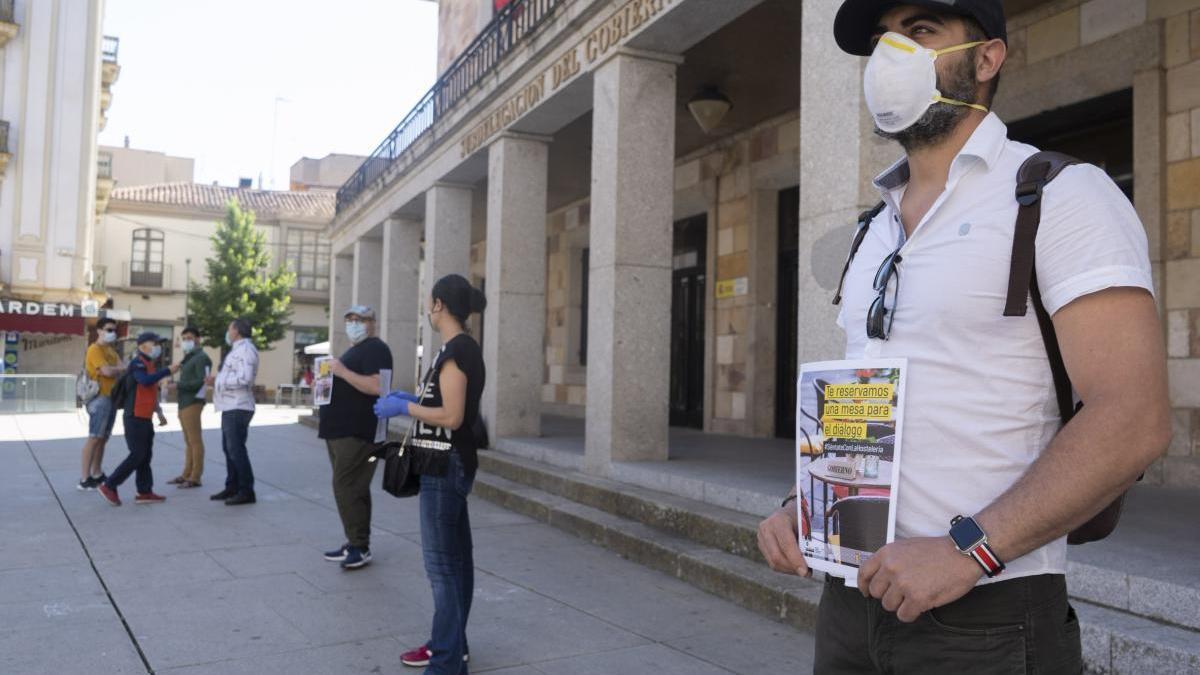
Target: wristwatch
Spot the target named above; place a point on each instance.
(971, 541)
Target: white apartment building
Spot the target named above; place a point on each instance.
(56, 74)
(153, 238)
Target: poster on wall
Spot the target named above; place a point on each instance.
(849, 420)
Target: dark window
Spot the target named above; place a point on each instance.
(583, 306)
(1098, 131)
(146, 264)
(308, 256)
(787, 336)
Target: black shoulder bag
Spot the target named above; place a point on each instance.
(405, 462)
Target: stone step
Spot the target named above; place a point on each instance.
(715, 549)
(734, 578)
(735, 532)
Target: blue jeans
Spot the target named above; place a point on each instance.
(235, 426)
(139, 436)
(446, 544)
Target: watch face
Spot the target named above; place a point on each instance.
(966, 534)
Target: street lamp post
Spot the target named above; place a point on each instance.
(187, 292)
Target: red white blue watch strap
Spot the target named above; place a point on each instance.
(987, 559)
(971, 540)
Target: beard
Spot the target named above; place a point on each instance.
(941, 118)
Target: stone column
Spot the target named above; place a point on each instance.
(515, 323)
(447, 247)
(831, 146)
(368, 275)
(633, 157)
(400, 307)
(342, 296)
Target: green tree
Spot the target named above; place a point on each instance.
(240, 284)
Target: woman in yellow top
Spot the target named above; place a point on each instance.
(104, 366)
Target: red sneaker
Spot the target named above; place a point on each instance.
(109, 494)
(419, 657)
(148, 498)
(416, 658)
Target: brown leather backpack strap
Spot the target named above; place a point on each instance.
(864, 224)
(1032, 178)
(1063, 391)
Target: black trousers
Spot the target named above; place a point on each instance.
(139, 436)
(1013, 627)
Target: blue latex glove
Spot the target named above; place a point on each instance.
(395, 403)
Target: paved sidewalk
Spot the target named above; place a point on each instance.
(193, 586)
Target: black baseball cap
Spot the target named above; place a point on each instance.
(857, 19)
(149, 336)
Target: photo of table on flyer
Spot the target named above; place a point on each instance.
(849, 420)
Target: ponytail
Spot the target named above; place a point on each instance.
(459, 297)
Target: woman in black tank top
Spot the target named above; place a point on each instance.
(446, 414)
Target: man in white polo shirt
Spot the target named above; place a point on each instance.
(981, 437)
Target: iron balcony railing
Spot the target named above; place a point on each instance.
(104, 165)
(108, 50)
(7, 13)
(511, 25)
(3, 136)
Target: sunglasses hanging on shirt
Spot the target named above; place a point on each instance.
(879, 317)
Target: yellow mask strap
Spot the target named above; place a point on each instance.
(976, 106)
(959, 48)
(904, 47)
(951, 50)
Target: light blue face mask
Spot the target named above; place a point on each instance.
(356, 331)
(228, 340)
(156, 351)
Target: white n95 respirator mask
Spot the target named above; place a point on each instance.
(900, 82)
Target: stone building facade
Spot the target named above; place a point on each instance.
(642, 273)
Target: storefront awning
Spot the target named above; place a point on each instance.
(30, 316)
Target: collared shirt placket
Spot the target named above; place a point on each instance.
(893, 197)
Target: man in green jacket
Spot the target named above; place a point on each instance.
(192, 371)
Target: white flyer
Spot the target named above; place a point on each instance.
(323, 382)
(202, 393)
(385, 387)
(849, 420)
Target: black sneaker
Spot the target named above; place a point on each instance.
(356, 557)
(87, 484)
(337, 556)
(222, 495)
(241, 498)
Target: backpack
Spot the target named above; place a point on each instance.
(122, 390)
(1032, 178)
(86, 388)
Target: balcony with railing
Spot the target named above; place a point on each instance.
(512, 25)
(4, 154)
(109, 68)
(146, 276)
(104, 181)
(8, 21)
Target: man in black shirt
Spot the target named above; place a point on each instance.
(348, 427)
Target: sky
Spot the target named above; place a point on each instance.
(232, 83)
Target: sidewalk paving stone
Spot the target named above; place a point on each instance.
(207, 588)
